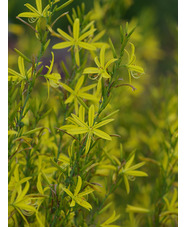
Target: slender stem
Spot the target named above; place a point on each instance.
(27, 24)
(62, 15)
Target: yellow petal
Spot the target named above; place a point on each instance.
(66, 87)
(62, 45)
(113, 218)
(76, 29)
(14, 73)
(28, 14)
(86, 192)
(83, 203)
(82, 113)
(86, 46)
(79, 83)
(101, 134)
(39, 5)
(89, 87)
(105, 75)
(51, 64)
(76, 50)
(129, 162)
(70, 99)
(68, 192)
(136, 68)
(126, 184)
(136, 173)
(91, 31)
(78, 130)
(64, 35)
(97, 62)
(136, 166)
(88, 142)
(32, 8)
(102, 56)
(73, 203)
(91, 70)
(78, 186)
(79, 121)
(87, 96)
(91, 115)
(110, 62)
(100, 124)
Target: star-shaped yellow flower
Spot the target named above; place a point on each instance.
(130, 171)
(78, 92)
(101, 69)
(36, 12)
(22, 75)
(76, 41)
(79, 126)
(78, 197)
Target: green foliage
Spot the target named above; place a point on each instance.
(63, 169)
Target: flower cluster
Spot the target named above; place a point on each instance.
(60, 168)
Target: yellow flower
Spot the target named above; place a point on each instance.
(75, 41)
(130, 171)
(110, 220)
(79, 197)
(78, 93)
(171, 208)
(91, 128)
(22, 75)
(18, 199)
(101, 69)
(52, 78)
(36, 12)
(133, 70)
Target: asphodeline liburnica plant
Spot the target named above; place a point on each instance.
(58, 133)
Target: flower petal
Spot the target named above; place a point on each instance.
(64, 35)
(101, 134)
(32, 9)
(91, 70)
(126, 184)
(62, 45)
(87, 96)
(97, 62)
(91, 31)
(70, 99)
(28, 14)
(82, 113)
(21, 65)
(110, 62)
(76, 50)
(87, 46)
(91, 115)
(79, 121)
(76, 29)
(66, 87)
(39, 5)
(102, 56)
(100, 124)
(89, 87)
(78, 186)
(79, 83)
(105, 75)
(78, 130)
